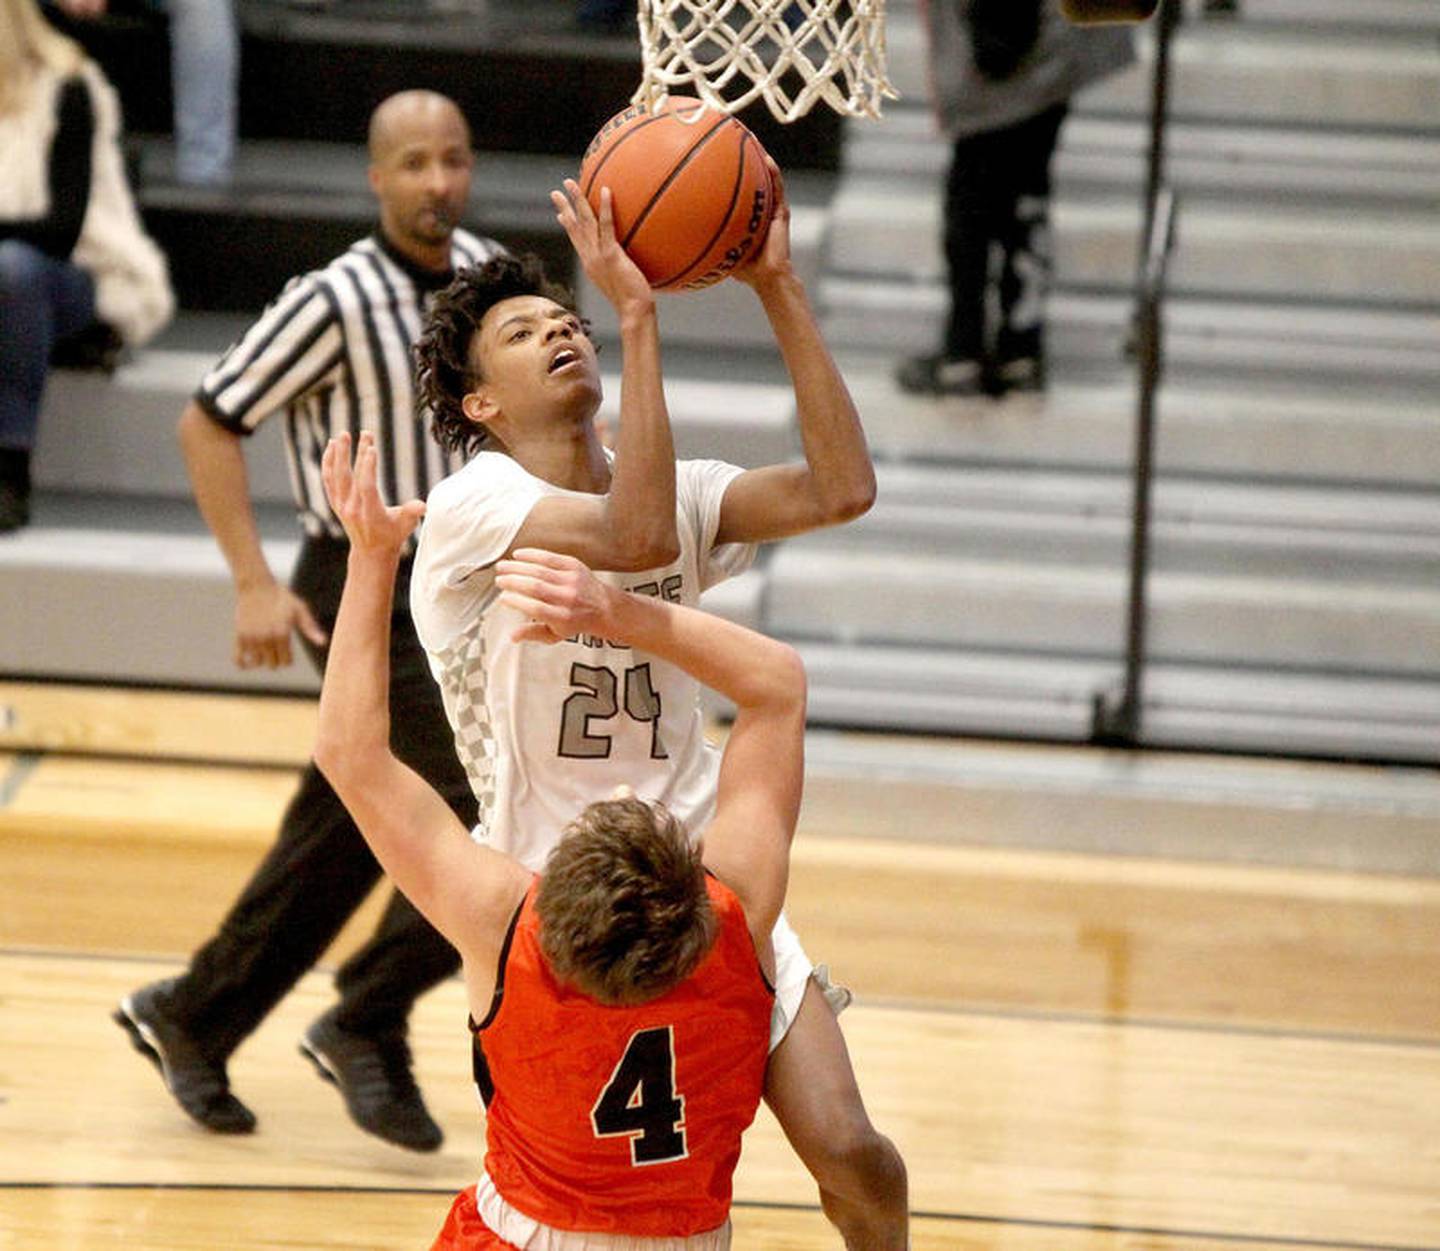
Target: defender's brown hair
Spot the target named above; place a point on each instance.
(624, 912)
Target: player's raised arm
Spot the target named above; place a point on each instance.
(641, 499)
(836, 481)
(466, 891)
(747, 845)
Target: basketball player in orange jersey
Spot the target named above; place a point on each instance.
(624, 996)
(511, 378)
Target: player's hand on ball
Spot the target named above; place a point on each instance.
(773, 258)
(603, 259)
(354, 494)
(558, 595)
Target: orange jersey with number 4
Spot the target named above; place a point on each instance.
(624, 1119)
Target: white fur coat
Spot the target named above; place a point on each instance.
(132, 278)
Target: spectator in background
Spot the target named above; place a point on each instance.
(204, 80)
(75, 263)
(1003, 74)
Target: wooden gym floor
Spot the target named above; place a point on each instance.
(1097, 1053)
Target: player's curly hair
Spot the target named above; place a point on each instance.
(443, 370)
(624, 912)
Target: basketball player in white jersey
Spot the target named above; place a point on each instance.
(511, 376)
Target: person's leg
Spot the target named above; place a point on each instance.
(407, 956)
(810, 1086)
(317, 872)
(360, 1043)
(42, 300)
(968, 231)
(956, 369)
(204, 76)
(1028, 252)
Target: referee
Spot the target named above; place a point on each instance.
(333, 354)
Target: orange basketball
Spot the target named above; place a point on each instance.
(689, 187)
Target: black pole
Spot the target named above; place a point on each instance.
(1121, 724)
(1169, 18)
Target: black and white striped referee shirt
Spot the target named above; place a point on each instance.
(333, 352)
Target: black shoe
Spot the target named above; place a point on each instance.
(1020, 373)
(198, 1083)
(14, 488)
(940, 375)
(374, 1077)
(14, 507)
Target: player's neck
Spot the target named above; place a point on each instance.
(571, 457)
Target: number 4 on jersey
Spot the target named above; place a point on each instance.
(640, 1100)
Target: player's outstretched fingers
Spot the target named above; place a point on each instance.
(581, 205)
(777, 185)
(564, 210)
(573, 212)
(607, 213)
(367, 458)
(335, 470)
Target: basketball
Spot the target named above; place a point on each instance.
(689, 188)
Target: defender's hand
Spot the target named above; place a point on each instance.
(559, 595)
(354, 494)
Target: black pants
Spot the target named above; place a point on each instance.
(997, 239)
(320, 869)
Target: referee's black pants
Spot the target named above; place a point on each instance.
(320, 870)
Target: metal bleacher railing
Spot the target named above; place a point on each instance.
(1118, 721)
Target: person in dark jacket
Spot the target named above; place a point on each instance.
(1003, 73)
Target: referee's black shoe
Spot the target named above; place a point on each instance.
(198, 1083)
(373, 1074)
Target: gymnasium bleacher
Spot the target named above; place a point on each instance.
(1295, 603)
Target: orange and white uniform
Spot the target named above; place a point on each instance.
(615, 1127)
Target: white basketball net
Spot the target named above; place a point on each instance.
(732, 52)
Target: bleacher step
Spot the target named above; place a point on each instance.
(1304, 74)
(130, 606)
(1215, 428)
(1215, 619)
(1215, 160)
(1370, 353)
(1083, 518)
(954, 689)
(1317, 252)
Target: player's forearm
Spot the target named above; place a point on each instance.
(353, 736)
(215, 462)
(640, 508)
(841, 478)
(750, 669)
